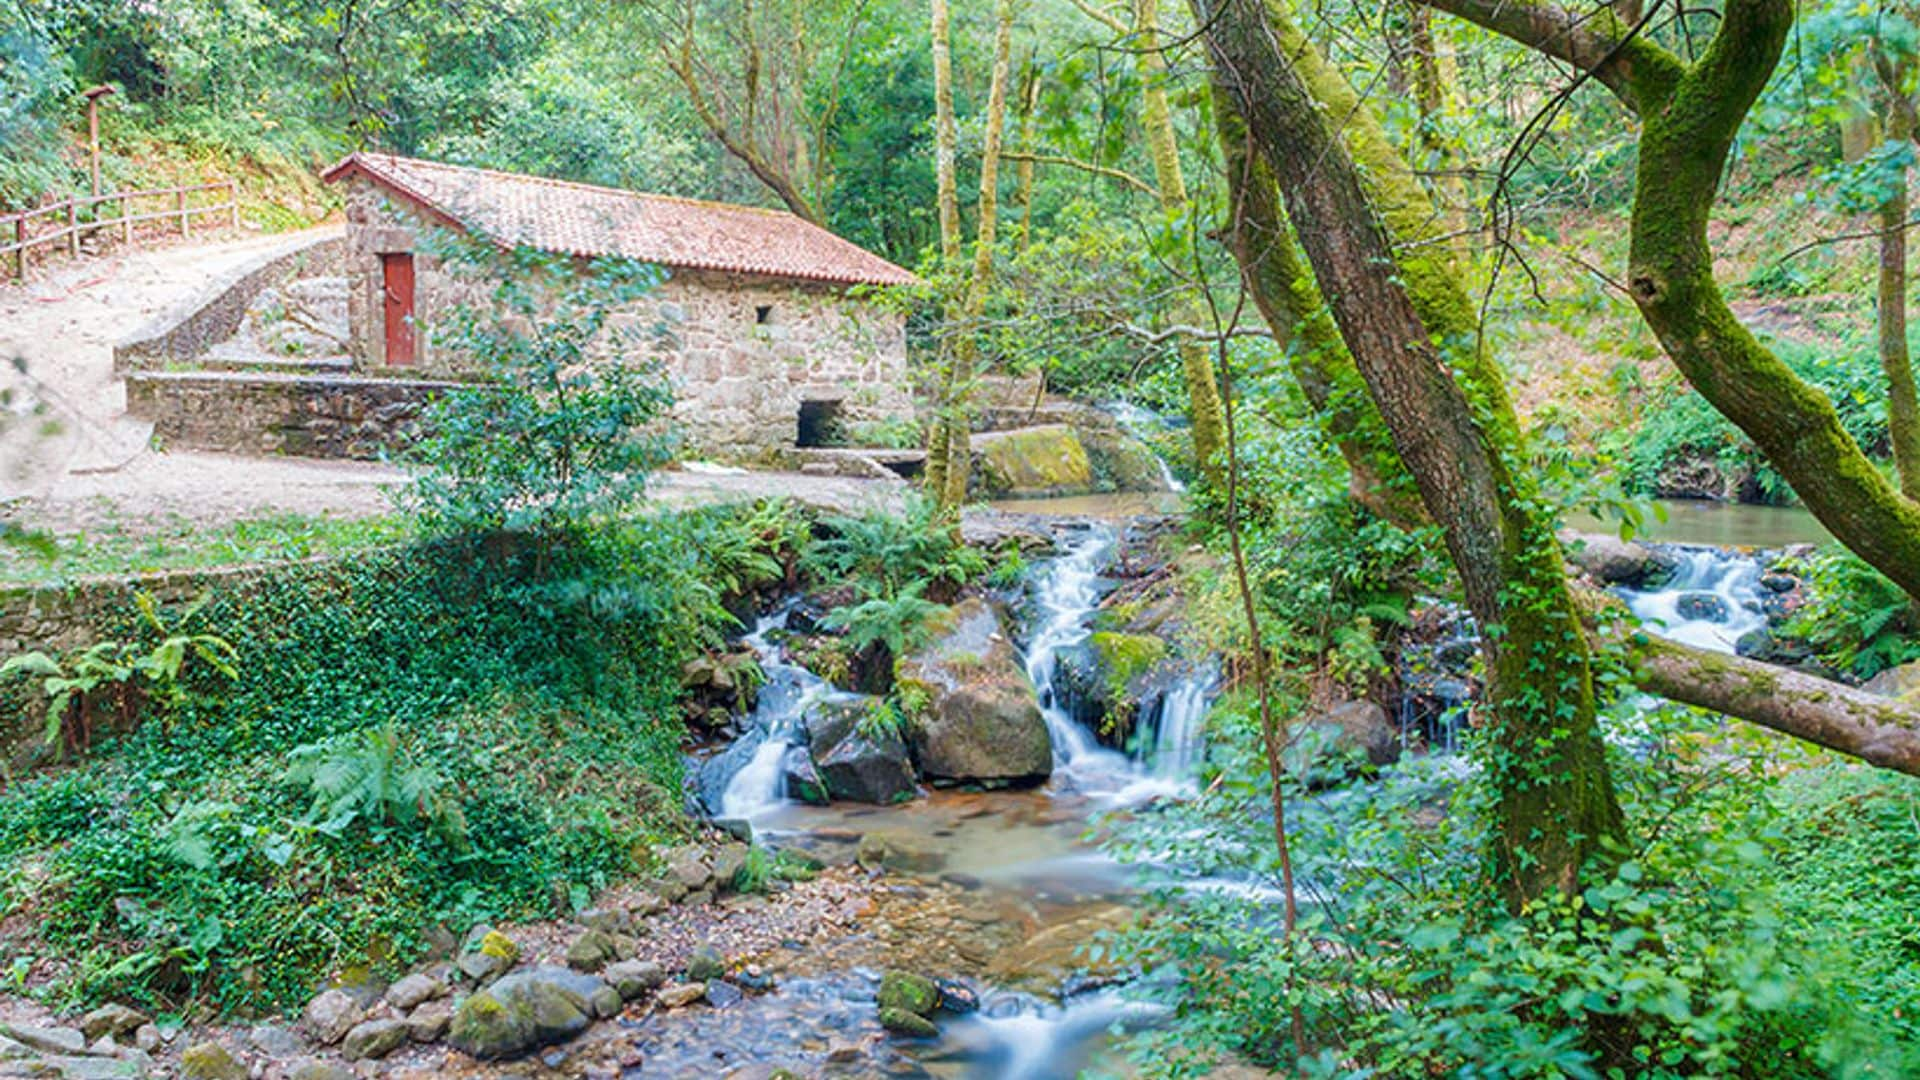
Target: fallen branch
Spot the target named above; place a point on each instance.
(1121, 175)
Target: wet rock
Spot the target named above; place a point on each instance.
(1770, 648)
(330, 1015)
(523, 1012)
(591, 951)
(633, 978)
(905, 990)
(1613, 561)
(957, 997)
(842, 1052)
(706, 963)
(1119, 461)
(414, 989)
(374, 1039)
(210, 1061)
(902, 1022)
(1773, 581)
(606, 1001)
(680, 995)
(983, 721)
(802, 777)
(855, 758)
(739, 828)
(430, 1020)
(722, 994)
(1047, 959)
(1703, 606)
(111, 1020)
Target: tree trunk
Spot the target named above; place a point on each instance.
(1409, 326)
(1205, 417)
(1903, 403)
(1433, 79)
(947, 199)
(967, 345)
(1689, 115)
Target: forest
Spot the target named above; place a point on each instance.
(1344, 539)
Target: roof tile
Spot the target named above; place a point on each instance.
(581, 219)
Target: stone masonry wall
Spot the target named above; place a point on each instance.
(743, 351)
(308, 415)
(190, 327)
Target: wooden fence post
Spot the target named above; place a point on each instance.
(233, 203)
(126, 218)
(20, 250)
(73, 227)
(180, 207)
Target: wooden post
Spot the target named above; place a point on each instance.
(126, 218)
(233, 203)
(20, 248)
(180, 207)
(73, 226)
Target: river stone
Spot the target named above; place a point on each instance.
(414, 989)
(1119, 461)
(957, 997)
(983, 721)
(210, 1061)
(728, 861)
(330, 1015)
(706, 963)
(312, 1069)
(429, 1020)
(722, 994)
(635, 977)
(1703, 606)
(902, 1022)
(871, 767)
(1613, 561)
(1048, 459)
(1353, 730)
(902, 851)
(605, 920)
(592, 950)
(523, 1012)
(113, 1019)
(905, 990)
(687, 864)
(802, 777)
(1896, 682)
(275, 1041)
(47, 1040)
(679, 995)
(374, 1039)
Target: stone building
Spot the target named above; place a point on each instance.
(767, 342)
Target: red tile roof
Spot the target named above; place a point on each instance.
(581, 219)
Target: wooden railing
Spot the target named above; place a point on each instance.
(19, 232)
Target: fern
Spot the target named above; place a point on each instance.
(367, 778)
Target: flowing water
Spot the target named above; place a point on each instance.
(1024, 850)
(1717, 524)
(1712, 600)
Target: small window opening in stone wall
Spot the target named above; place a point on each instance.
(763, 314)
(821, 424)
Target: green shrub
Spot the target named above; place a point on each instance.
(1854, 618)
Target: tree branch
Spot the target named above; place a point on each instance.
(1622, 60)
(1124, 177)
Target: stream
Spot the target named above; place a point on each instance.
(1010, 868)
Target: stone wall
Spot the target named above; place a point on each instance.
(266, 413)
(210, 316)
(744, 352)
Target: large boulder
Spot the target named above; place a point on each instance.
(982, 721)
(527, 1010)
(1330, 744)
(856, 758)
(1901, 682)
(1613, 561)
(1044, 460)
(1119, 461)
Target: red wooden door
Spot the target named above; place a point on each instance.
(396, 273)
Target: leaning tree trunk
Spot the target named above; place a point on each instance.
(1690, 113)
(1410, 327)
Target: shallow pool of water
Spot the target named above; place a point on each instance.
(1692, 521)
(1109, 507)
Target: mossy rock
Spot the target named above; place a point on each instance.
(500, 947)
(1125, 658)
(1045, 460)
(210, 1061)
(916, 994)
(902, 1022)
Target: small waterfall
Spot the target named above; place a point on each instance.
(759, 786)
(1712, 600)
(1143, 424)
(1068, 598)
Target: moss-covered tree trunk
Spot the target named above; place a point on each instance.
(1409, 327)
(947, 209)
(1903, 402)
